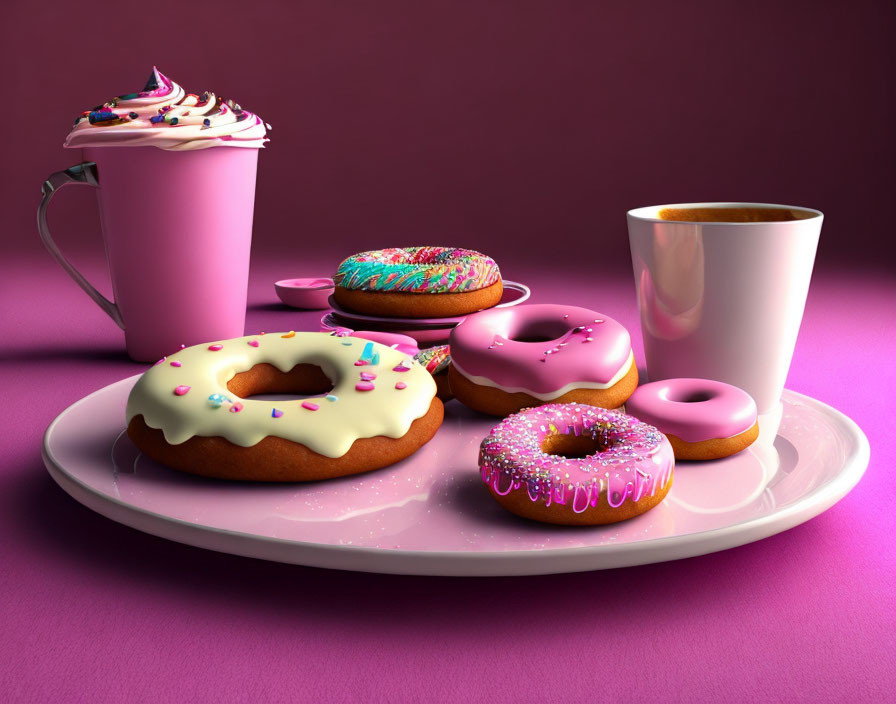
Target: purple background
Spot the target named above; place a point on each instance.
(512, 127)
(486, 124)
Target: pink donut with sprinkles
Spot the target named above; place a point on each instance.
(574, 464)
(506, 359)
(703, 419)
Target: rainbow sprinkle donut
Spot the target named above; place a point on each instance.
(436, 361)
(389, 282)
(574, 464)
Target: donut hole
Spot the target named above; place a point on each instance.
(301, 381)
(693, 397)
(539, 331)
(571, 446)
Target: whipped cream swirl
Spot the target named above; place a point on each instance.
(163, 115)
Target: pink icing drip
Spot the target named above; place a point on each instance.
(637, 461)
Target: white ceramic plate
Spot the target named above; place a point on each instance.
(431, 515)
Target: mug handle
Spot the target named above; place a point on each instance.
(84, 173)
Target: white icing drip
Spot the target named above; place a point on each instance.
(551, 395)
(329, 431)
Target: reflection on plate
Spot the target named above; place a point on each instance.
(430, 513)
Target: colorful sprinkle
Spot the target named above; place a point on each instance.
(133, 115)
(368, 376)
(401, 385)
(364, 386)
(332, 397)
(206, 122)
(404, 366)
(236, 408)
(310, 405)
(361, 363)
(277, 413)
(435, 359)
(174, 120)
(175, 363)
(181, 390)
(347, 344)
(215, 348)
(291, 333)
(99, 116)
(217, 400)
(367, 352)
(160, 361)
(252, 343)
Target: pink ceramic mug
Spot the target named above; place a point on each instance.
(177, 227)
(723, 299)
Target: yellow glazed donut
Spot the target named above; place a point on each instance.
(372, 406)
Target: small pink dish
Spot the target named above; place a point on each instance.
(308, 294)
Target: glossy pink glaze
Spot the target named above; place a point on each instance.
(582, 346)
(693, 409)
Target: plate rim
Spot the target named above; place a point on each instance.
(473, 563)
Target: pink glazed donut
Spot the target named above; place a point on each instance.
(703, 419)
(506, 359)
(576, 465)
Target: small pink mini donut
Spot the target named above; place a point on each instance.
(506, 359)
(703, 419)
(574, 464)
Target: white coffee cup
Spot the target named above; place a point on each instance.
(721, 292)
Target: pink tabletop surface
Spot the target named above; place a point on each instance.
(95, 611)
